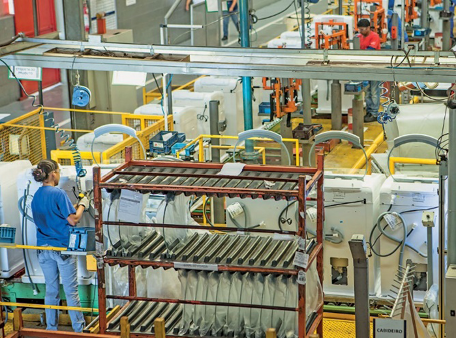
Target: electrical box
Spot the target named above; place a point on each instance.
(82, 239)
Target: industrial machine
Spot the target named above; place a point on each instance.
(337, 39)
(11, 261)
(352, 204)
(200, 101)
(414, 201)
(102, 143)
(233, 100)
(184, 118)
(284, 97)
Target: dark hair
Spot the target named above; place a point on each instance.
(43, 169)
(364, 23)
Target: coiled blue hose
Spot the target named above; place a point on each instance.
(308, 26)
(70, 142)
(385, 116)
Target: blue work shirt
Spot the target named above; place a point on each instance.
(51, 208)
(228, 5)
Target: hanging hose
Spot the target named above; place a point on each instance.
(70, 142)
(390, 108)
(25, 217)
(349, 5)
(80, 171)
(308, 26)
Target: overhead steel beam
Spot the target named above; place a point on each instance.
(285, 63)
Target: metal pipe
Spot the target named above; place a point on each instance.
(336, 104)
(430, 257)
(395, 23)
(246, 80)
(218, 204)
(403, 24)
(443, 174)
(446, 27)
(358, 117)
(341, 9)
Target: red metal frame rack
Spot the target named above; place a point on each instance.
(291, 184)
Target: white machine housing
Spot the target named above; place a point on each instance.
(348, 219)
(184, 118)
(200, 101)
(101, 144)
(67, 182)
(413, 194)
(231, 88)
(11, 260)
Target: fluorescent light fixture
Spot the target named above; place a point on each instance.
(129, 78)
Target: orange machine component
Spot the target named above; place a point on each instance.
(337, 38)
(393, 32)
(410, 12)
(435, 2)
(283, 98)
(377, 17)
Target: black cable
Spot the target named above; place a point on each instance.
(109, 233)
(345, 203)
(273, 15)
(158, 86)
(205, 213)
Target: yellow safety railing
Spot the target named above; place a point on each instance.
(200, 141)
(23, 138)
(156, 94)
(408, 160)
(116, 154)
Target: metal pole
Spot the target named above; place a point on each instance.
(443, 174)
(341, 9)
(336, 105)
(246, 80)
(305, 87)
(395, 23)
(218, 204)
(358, 117)
(430, 258)
(446, 44)
(403, 24)
(424, 14)
(361, 271)
(165, 102)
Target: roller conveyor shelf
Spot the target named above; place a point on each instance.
(206, 248)
(192, 179)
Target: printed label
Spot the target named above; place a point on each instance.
(302, 278)
(301, 259)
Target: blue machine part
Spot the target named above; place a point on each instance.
(81, 96)
(355, 86)
(82, 239)
(162, 142)
(264, 108)
(178, 146)
(421, 32)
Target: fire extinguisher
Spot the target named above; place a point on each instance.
(85, 9)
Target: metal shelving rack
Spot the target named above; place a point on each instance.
(162, 177)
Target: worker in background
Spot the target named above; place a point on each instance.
(53, 215)
(230, 13)
(369, 39)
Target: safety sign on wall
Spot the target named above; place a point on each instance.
(390, 328)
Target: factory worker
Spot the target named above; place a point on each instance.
(369, 39)
(53, 215)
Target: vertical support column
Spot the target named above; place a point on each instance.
(320, 229)
(403, 24)
(124, 327)
(159, 328)
(132, 280)
(99, 247)
(430, 257)
(218, 204)
(443, 174)
(358, 117)
(446, 27)
(18, 322)
(395, 23)
(451, 258)
(361, 271)
(302, 315)
(246, 80)
(286, 132)
(336, 105)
